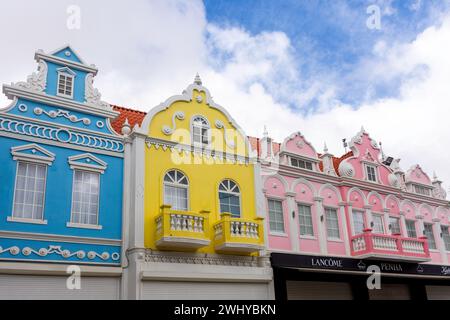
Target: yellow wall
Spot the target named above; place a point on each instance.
(203, 178)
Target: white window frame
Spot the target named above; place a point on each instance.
(427, 190)
(391, 218)
(312, 220)
(206, 126)
(446, 242)
(301, 160)
(20, 155)
(66, 72)
(326, 209)
(354, 212)
(177, 185)
(238, 194)
(91, 165)
(277, 232)
(377, 215)
(432, 234)
(375, 170)
(407, 221)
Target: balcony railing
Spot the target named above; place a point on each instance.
(238, 235)
(182, 229)
(395, 247)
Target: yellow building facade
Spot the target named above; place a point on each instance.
(199, 193)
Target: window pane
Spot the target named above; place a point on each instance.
(29, 191)
(358, 222)
(332, 223)
(395, 225)
(446, 237)
(85, 197)
(411, 228)
(428, 231)
(276, 216)
(378, 226)
(305, 220)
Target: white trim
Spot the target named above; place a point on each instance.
(84, 226)
(50, 57)
(39, 97)
(200, 145)
(238, 194)
(19, 156)
(74, 165)
(79, 225)
(58, 238)
(69, 74)
(25, 220)
(56, 269)
(176, 185)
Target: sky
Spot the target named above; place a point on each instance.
(318, 67)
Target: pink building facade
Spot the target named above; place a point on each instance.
(358, 210)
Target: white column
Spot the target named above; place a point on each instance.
(320, 222)
(403, 224)
(439, 239)
(350, 215)
(261, 204)
(344, 228)
(419, 218)
(387, 221)
(294, 227)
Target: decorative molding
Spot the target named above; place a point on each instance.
(219, 125)
(92, 96)
(92, 163)
(60, 134)
(346, 169)
(18, 154)
(57, 250)
(169, 130)
(202, 260)
(36, 81)
(61, 113)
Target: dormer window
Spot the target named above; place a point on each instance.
(422, 190)
(299, 163)
(200, 131)
(66, 79)
(371, 173)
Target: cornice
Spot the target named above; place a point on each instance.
(41, 55)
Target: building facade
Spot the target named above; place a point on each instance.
(332, 218)
(195, 230)
(61, 192)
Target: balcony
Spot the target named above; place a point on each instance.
(182, 229)
(236, 235)
(392, 247)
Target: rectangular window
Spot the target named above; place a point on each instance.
(378, 225)
(371, 173)
(411, 228)
(65, 85)
(85, 197)
(395, 225)
(301, 164)
(29, 191)
(276, 220)
(428, 232)
(358, 222)
(446, 237)
(332, 224)
(421, 190)
(305, 220)
(228, 203)
(176, 197)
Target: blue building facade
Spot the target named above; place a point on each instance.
(61, 171)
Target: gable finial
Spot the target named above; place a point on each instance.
(126, 128)
(435, 175)
(197, 80)
(362, 129)
(265, 133)
(325, 148)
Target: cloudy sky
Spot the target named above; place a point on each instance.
(309, 66)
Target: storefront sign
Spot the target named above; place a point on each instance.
(283, 260)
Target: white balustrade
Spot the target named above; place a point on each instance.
(186, 222)
(384, 243)
(413, 246)
(244, 229)
(359, 244)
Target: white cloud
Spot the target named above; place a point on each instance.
(150, 50)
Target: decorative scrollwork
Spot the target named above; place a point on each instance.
(36, 81)
(62, 113)
(92, 95)
(219, 125)
(168, 130)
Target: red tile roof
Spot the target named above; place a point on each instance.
(255, 144)
(133, 116)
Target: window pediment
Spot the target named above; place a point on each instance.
(87, 162)
(33, 153)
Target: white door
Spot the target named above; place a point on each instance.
(26, 287)
(176, 290)
(318, 290)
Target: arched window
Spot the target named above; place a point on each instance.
(176, 190)
(230, 198)
(200, 131)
